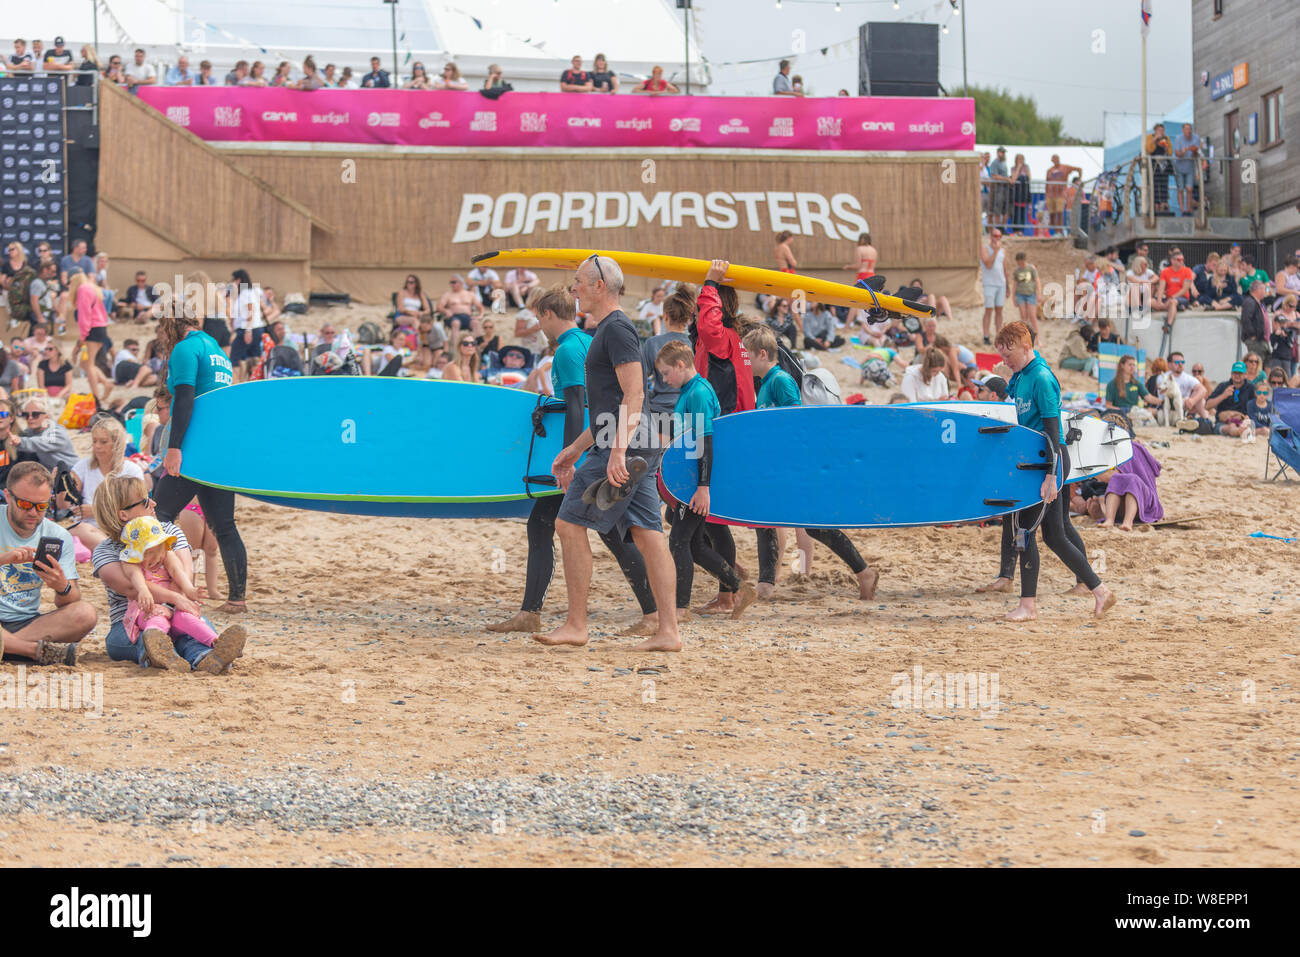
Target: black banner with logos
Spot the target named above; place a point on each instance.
(33, 181)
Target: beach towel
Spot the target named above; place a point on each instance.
(987, 360)
(1137, 477)
(1109, 355)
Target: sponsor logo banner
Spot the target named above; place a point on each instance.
(449, 118)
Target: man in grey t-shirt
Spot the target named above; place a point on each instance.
(1000, 187)
(781, 85)
(1187, 151)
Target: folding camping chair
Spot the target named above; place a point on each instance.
(1284, 436)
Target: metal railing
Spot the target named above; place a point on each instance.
(999, 202)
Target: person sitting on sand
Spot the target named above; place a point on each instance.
(1131, 492)
(925, 381)
(1038, 407)
(1260, 411)
(43, 440)
(156, 575)
(107, 450)
(785, 322)
(1228, 404)
(118, 500)
(1125, 392)
(460, 307)
(693, 415)
(777, 389)
(465, 364)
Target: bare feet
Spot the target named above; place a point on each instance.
(724, 604)
(998, 584)
(765, 590)
(1126, 527)
(744, 598)
(647, 626)
(522, 621)
(867, 579)
(1080, 589)
(1105, 602)
(671, 642)
(684, 614)
(234, 607)
(566, 634)
(740, 571)
(1023, 612)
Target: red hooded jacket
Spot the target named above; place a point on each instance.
(720, 357)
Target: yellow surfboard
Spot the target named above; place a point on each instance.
(748, 278)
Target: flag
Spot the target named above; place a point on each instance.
(1146, 16)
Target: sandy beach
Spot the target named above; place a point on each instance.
(374, 721)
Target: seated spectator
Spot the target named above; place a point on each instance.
(450, 79)
(1206, 268)
(1228, 403)
(107, 457)
(1141, 280)
(11, 372)
(256, 75)
(52, 370)
(575, 79)
(1175, 290)
(141, 298)
(412, 304)
(59, 59)
(1254, 368)
(239, 75)
(819, 329)
(77, 261)
(1249, 273)
(460, 307)
(179, 75)
(1125, 392)
(346, 80)
(326, 341)
(925, 381)
(47, 295)
(784, 322)
(283, 75)
(1288, 278)
(489, 341)
(119, 500)
(1216, 289)
(205, 77)
(969, 390)
(419, 79)
(603, 79)
(464, 367)
(1079, 351)
(1277, 378)
(129, 371)
(18, 352)
(311, 78)
(938, 303)
(44, 440)
(270, 308)
(519, 283)
(329, 76)
(1130, 492)
(495, 79)
(441, 362)
(139, 73)
(1260, 411)
(652, 310)
(390, 360)
(1156, 368)
(992, 388)
(655, 83)
(1110, 289)
(1106, 333)
(376, 79)
(484, 282)
(528, 325)
(50, 638)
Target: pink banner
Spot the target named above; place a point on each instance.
(444, 118)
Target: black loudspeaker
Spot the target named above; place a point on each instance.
(898, 59)
(82, 153)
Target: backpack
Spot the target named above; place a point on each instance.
(368, 334)
(819, 388)
(284, 361)
(20, 295)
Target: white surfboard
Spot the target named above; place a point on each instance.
(1100, 447)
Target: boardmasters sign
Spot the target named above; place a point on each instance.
(838, 216)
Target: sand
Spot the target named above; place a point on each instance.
(373, 720)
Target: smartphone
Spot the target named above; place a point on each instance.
(49, 551)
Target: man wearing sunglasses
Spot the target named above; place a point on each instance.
(1194, 393)
(621, 455)
(48, 639)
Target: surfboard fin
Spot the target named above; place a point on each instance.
(540, 480)
(1001, 502)
(993, 429)
(1034, 466)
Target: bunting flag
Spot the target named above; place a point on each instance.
(120, 31)
(1146, 16)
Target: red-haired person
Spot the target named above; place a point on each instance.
(1038, 406)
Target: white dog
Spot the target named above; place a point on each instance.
(1171, 399)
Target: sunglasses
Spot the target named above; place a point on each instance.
(1176, 362)
(30, 506)
(31, 415)
(144, 501)
(593, 258)
(1198, 371)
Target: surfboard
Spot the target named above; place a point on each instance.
(746, 278)
(838, 466)
(375, 445)
(1100, 447)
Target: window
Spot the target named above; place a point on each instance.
(1273, 133)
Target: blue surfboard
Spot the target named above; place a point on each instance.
(375, 445)
(836, 466)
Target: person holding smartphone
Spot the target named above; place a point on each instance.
(35, 552)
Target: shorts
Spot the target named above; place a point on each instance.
(1026, 299)
(18, 624)
(463, 318)
(1055, 204)
(98, 334)
(217, 328)
(1185, 180)
(241, 350)
(125, 371)
(995, 296)
(639, 510)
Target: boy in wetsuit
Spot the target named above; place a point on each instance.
(697, 406)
